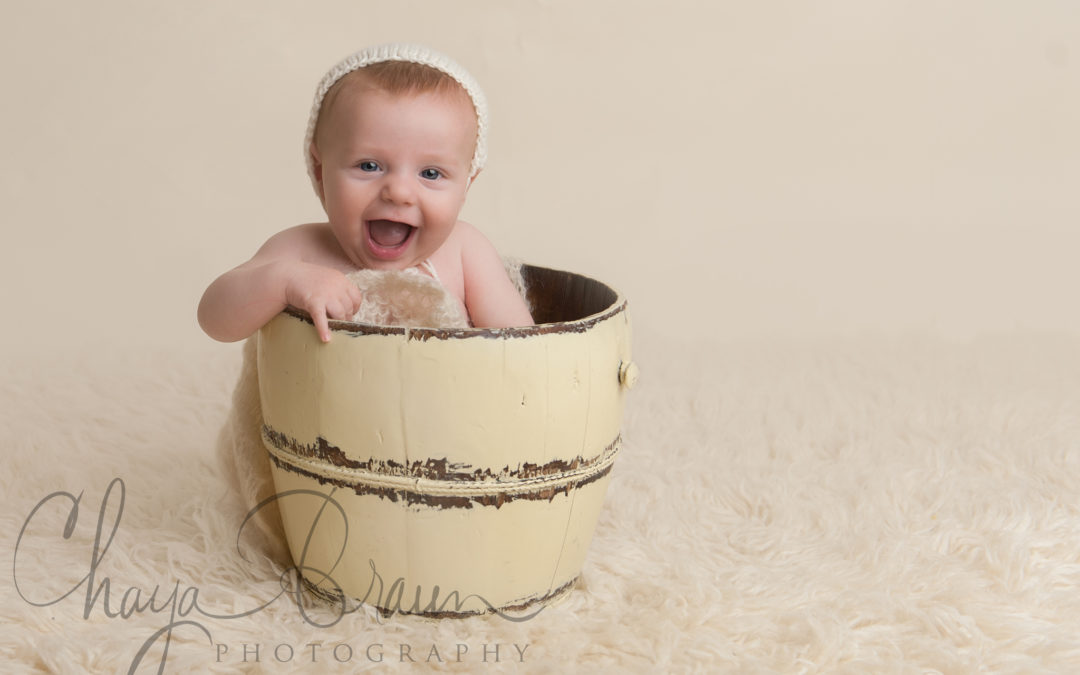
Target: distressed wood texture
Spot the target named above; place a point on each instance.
(474, 461)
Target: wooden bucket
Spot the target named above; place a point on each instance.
(448, 472)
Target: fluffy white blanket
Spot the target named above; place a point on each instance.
(875, 506)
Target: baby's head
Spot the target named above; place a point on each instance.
(396, 136)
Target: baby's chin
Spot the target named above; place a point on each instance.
(369, 262)
(384, 265)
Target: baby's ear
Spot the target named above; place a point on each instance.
(316, 170)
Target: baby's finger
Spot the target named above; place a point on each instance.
(318, 317)
(356, 296)
(335, 310)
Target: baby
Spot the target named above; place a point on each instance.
(397, 135)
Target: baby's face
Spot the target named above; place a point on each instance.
(393, 172)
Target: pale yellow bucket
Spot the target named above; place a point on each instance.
(448, 472)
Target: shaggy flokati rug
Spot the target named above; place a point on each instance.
(874, 506)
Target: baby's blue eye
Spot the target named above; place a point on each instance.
(368, 166)
(431, 174)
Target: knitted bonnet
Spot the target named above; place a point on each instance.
(414, 54)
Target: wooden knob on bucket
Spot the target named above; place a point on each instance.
(628, 374)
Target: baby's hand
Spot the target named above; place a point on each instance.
(322, 292)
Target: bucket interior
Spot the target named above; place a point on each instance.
(557, 296)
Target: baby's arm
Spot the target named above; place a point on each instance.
(243, 299)
(490, 296)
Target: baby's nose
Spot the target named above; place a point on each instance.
(398, 189)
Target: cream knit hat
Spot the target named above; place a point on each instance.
(414, 54)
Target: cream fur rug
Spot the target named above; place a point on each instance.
(859, 507)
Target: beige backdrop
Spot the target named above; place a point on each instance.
(744, 169)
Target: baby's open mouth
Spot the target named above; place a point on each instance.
(389, 233)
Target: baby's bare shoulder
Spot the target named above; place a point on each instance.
(309, 235)
(473, 244)
(466, 230)
(311, 242)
